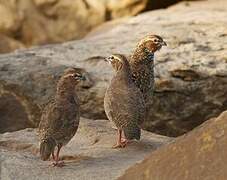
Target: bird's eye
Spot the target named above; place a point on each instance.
(76, 75)
(112, 57)
(156, 40)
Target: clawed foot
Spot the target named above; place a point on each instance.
(58, 164)
(123, 140)
(119, 145)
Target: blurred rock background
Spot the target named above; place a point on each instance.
(191, 86)
(24, 23)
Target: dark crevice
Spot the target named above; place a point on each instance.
(108, 15)
(13, 116)
(151, 5)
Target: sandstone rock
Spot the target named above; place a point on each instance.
(107, 26)
(37, 22)
(8, 20)
(191, 75)
(124, 8)
(199, 155)
(88, 155)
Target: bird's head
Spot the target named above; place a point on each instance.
(118, 61)
(151, 43)
(73, 75)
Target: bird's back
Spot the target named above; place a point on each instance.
(143, 76)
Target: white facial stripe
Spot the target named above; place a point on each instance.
(149, 39)
(69, 75)
(117, 58)
(77, 74)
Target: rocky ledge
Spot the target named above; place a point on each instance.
(198, 155)
(88, 155)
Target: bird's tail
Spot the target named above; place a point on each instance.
(46, 148)
(132, 131)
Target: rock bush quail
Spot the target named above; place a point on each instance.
(123, 102)
(60, 118)
(142, 66)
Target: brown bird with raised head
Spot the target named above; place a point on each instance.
(60, 118)
(123, 102)
(142, 66)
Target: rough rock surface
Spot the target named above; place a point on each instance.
(191, 73)
(37, 22)
(199, 155)
(88, 155)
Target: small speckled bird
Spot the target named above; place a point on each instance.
(142, 65)
(60, 118)
(123, 102)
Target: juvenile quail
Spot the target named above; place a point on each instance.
(123, 102)
(60, 118)
(142, 65)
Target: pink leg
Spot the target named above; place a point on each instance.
(124, 140)
(119, 144)
(57, 162)
(53, 156)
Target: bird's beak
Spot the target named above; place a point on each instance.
(164, 43)
(82, 78)
(107, 59)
